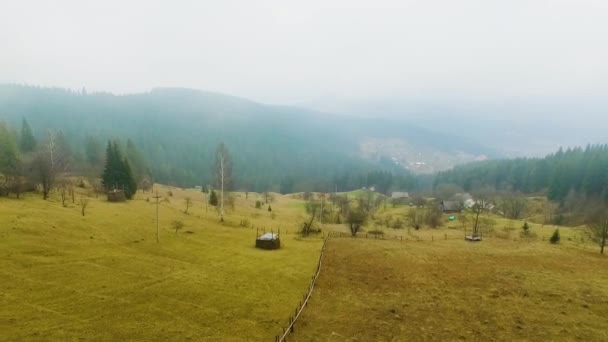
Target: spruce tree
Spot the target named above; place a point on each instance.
(109, 178)
(128, 181)
(27, 142)
(117, 173)
(213, 199)
(555, 237)
(9, 157)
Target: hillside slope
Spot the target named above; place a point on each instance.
(178, 129)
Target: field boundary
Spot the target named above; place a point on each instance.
(298, 311)
(410, 237)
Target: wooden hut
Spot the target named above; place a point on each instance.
(116, 195)
(268, 241)
(450, 207)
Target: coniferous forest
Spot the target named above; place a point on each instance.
(581, 171)
(170, 136)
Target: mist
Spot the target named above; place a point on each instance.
(535, 64)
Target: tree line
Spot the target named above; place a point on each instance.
(583, 171)
(28, 163)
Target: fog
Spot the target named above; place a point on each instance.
(471, 59)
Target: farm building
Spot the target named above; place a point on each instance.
(268, 241)
(116, 195)
(400, 196)
(450, 207)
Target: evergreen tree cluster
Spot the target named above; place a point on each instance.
(117, 173)
(273, 148)
(583, 171)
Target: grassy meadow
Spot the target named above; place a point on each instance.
(103, 277)
(498, 289)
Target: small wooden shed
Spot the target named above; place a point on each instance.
(268, 241)
(116, 195)
(450, 207)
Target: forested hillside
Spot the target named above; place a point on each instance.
(576, 171)
(174, 133)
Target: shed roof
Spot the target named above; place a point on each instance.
(268, 236)
(451, 205)
(399, 194)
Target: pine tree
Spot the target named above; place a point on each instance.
(27, 142)
(117, 173)
(555, 237)
(213, 199)
(526, 229)
(109, 178)
(8, 151)
(128, 181)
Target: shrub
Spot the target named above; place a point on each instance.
(555, 237)
(376, 231)
(213, 199)
(177, 225)
(398, 223)
(258, 204)
(526, 229)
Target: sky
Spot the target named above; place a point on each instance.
(322, 53)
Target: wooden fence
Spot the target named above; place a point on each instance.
(409, 237)
(298, 311)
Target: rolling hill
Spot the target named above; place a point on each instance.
(178, 129)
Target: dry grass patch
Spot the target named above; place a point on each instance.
(453, 290)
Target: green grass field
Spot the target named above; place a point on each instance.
(103, 277)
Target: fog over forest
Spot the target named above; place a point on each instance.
(522, 77)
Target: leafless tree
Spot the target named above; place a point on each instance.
(599, 234)
(355, 219)
(597, 226)
(84, 203)
(51, 159)
(223, 173)
(177, 225)
(188, 202)
(307, 226)
(513, 205)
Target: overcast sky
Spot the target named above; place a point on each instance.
(281, 51)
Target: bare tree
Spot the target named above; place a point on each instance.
(51, 159)
(63, 192)
(307, 226)
(84, 203)
(188, 202)
(599, 234)
(177, 225)
(223, 173)
(356, 218)
(513, 205)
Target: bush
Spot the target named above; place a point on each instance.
(555, 237)
(213, 199)
(177, 225)
(258, 204)
(376, 232)
(526, 229)
(398, 224)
